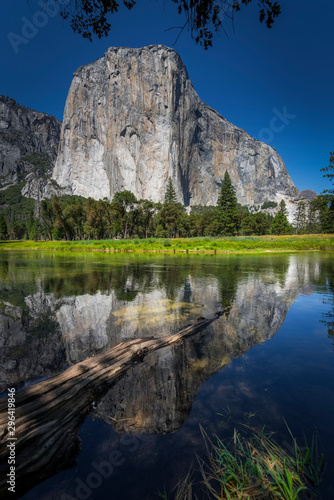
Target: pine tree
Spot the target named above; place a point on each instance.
(170, 194)
(3, 228)
(328, 222)
(300, 217)
(330, 172)
(282, 207)
(226, 220)
(280, 223)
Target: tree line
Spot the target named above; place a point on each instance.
(76, 218)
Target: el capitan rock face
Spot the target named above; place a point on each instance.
(133, 120)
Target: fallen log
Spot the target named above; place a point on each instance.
(48, 414)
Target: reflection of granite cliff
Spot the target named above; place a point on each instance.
(31, 343)
(157, 396)
(47, 332)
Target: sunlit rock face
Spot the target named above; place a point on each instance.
(133, 120)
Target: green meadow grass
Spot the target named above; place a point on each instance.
(201, 245)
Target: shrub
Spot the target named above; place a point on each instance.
(269, 204)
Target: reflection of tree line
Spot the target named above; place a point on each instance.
(127, 278)
(67, 278)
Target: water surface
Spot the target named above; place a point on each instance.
(272, 355)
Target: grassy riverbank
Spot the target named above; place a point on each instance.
(210, 245)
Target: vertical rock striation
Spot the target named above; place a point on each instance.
(133, 120)
(24, 131)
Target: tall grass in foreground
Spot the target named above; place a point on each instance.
(253, 466)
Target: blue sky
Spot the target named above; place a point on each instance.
(251, 78)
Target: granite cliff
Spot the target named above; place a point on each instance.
(28, 146)
(133, 120)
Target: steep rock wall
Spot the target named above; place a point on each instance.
(24, 131)
(133, 119)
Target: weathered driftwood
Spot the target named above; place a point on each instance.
(49, 414)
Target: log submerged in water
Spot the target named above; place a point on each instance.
(49, 414)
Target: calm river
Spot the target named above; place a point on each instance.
(272, 356)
